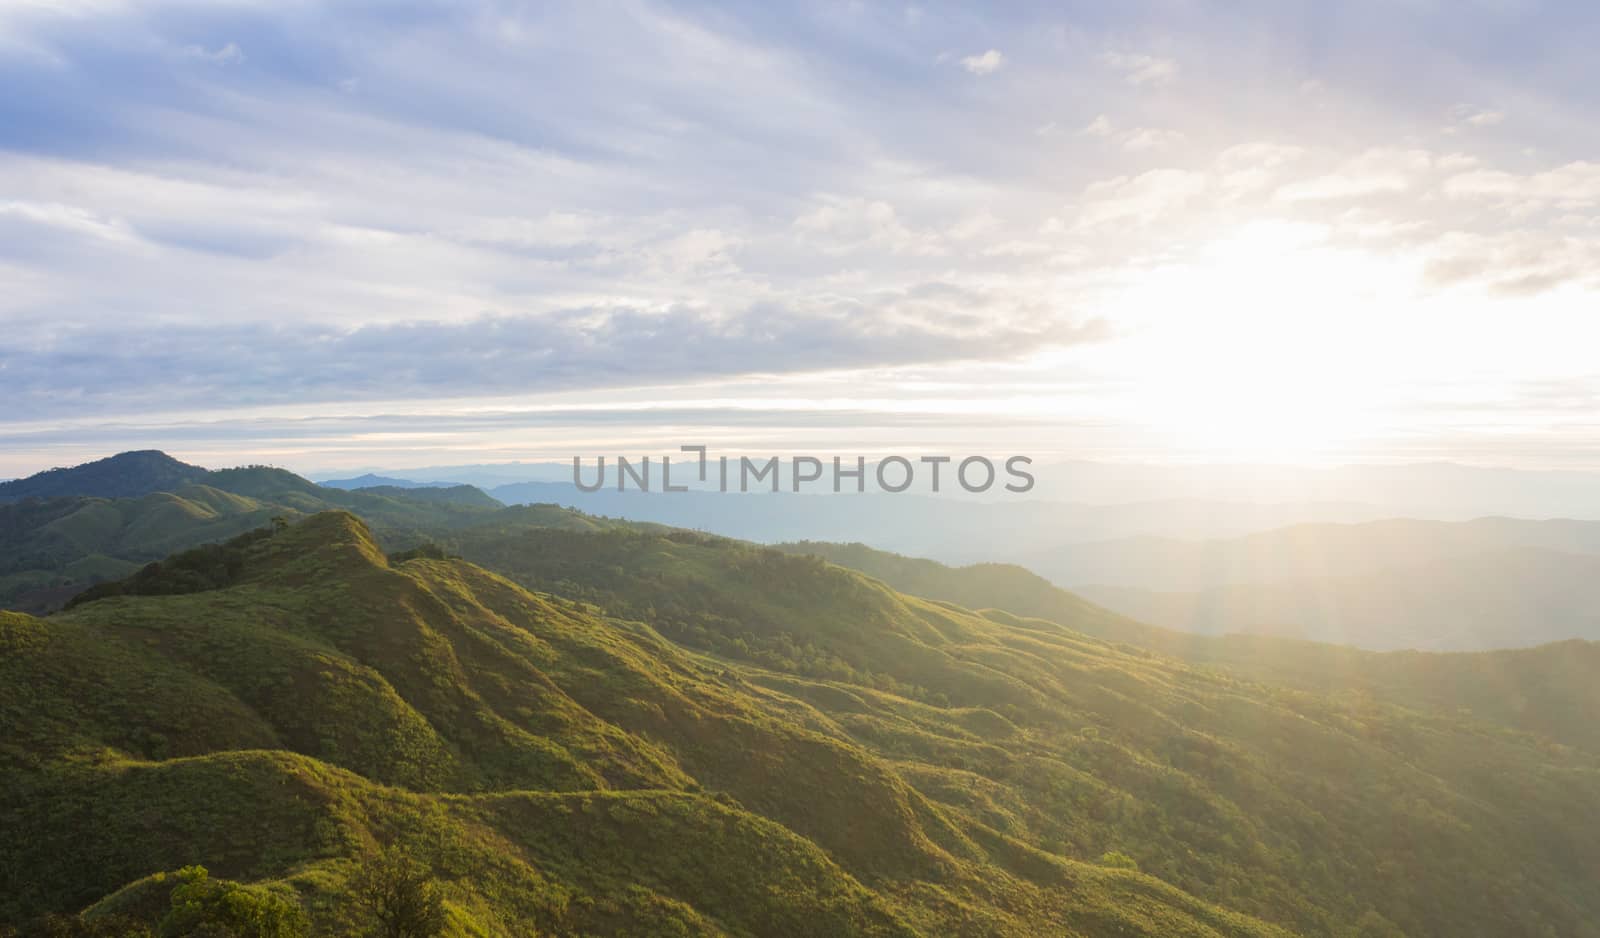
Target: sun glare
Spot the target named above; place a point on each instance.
(1268, 346)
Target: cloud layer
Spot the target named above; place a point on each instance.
(215, 206)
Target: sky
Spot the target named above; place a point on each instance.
(389, 234)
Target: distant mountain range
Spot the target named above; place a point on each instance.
(375, 481)
(1437, 491)
(953, 529)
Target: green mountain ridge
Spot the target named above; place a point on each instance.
(54, 547)
(125, 475)
(586, 726)
(551, 765)
(938, 771)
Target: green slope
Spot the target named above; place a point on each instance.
(759, 744)
(559, 771)
(1280, 803)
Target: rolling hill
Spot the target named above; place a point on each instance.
(736, 742)
(54, 546)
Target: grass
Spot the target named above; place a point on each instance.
(624, 730)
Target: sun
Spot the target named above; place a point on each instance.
(1265, 346)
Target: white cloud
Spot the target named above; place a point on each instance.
(1249, 167)
(1374, 172)
(1465, 115)
(1149, 138)
(847, 225)
(1573, 185)
(984, 64)
(1099, 127)
(1141, 69)
(1134, 140)
(1141, 198)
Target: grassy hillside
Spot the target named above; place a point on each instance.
(680, 734)
(557, 771)
(1042, 700)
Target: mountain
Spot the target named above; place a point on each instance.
(373, 481)
(1549, 690)
(1439, 490)
(1435, 490)
(854, 760)
(951, 529)
(53, 548)
(125, 475)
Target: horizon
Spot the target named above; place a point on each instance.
(9, 470)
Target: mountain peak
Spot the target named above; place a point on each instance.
(125, 475)
(325, 542)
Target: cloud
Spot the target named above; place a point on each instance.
(1516, 264)
(1141, 69)
(1135, 140)
(985, 63)
(1467, 116)
(1142, 198)
(846, 225)
(1248, 167)
(116, 367)
(1574, 185)
(227, 54)
(246, 203)
(1099, 127)
(1375, 172)
(1148, 138)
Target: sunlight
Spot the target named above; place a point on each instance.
(1267, 346)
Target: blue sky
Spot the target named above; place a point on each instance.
(329, 234)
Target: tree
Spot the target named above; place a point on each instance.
(398, 895)
(202, 906)
(1118, 861)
